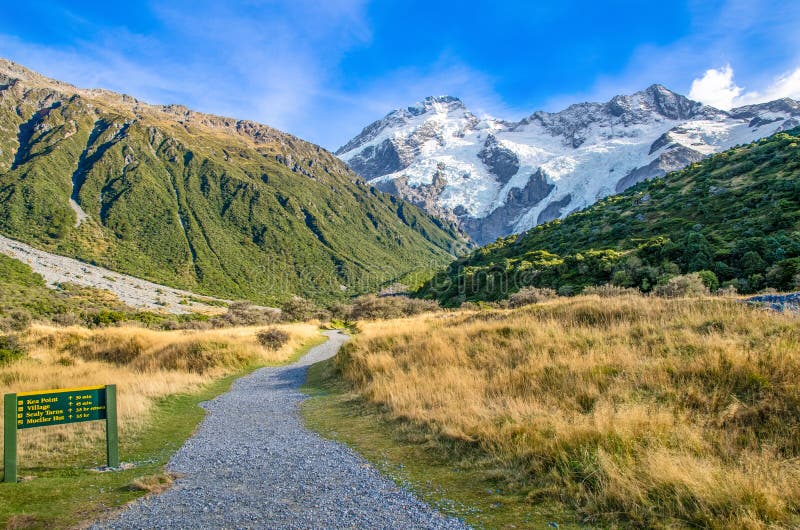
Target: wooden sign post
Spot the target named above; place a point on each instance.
(26, 410)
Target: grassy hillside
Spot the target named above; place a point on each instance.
(633, 411)
(200, 202)
(736, 214)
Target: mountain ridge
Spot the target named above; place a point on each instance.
(199, 202)
(495, 177)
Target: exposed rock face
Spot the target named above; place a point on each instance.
(501, 161)
(500, 221)
(675, 157)
(553, 210)
(498, 177)
(423, 196)
(377, 160)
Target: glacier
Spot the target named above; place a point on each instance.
(497, 177)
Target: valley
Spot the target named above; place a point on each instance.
(307, 340)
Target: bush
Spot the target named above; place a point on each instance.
(195, 324)
(109, 349)
(67, 319)
(16, 321)
(301, 309)
(609, 290)
(481, 306)
(244, 313)
(371, 307)
(687, 285)
(530, 295)
(727, 291)
(566, 290)
(272, 338)
(709, 279)
(106, 317)
(10, 349)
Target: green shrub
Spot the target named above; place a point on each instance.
(272, 338)
(687, 285)
(371, 307)
(106, 317)
(785, 275)
(709, 279)
(530, 295)
(10, 349)
(609, 290)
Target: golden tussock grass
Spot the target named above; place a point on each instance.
(632, 410)
(146, 365)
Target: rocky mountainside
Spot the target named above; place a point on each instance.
(206, 203)
(497, 177)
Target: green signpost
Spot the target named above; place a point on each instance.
(26, 410)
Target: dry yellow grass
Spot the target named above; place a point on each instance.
(632, 410)
(146, 365)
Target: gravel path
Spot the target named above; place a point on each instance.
(252, 464)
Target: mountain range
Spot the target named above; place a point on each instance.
(733, 218)
(495, 177)
(206, 203)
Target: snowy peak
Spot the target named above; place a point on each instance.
(657, 99)
(393, 143)
(431, 106)
(496, 177)
(655, 103)
(784, 106)
(786, 111)
(438, 104)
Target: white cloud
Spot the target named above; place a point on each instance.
(717, 88)
(784, 86)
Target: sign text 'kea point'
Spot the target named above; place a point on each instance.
(26, 410)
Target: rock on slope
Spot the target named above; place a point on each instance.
(496, 177)
(205, 203)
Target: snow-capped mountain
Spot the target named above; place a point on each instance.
(498, 177)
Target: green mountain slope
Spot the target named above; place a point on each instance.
(736, 214)
(219, 206)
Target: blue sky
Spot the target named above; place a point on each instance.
(324, 69)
